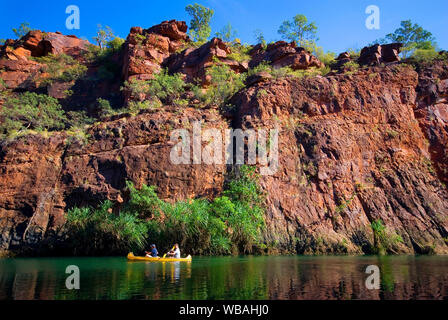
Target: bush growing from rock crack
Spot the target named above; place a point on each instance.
(31, 111)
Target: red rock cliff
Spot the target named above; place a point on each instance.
(353, 148)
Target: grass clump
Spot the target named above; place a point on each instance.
(99, 230)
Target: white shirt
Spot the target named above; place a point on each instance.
(176, 253)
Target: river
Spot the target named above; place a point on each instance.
(245, 277)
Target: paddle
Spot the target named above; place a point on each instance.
(167, 252)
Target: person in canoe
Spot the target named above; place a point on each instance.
(175, 253)
(154, 253)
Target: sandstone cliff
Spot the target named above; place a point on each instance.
(353, 147)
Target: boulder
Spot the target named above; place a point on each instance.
(174, 30)
(37, 44)
(146, 49)
(377, 54)
(283, 54)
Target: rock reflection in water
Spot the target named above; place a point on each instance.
(298, 278)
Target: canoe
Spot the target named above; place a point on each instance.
(131, 257)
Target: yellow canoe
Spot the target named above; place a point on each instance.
(131, 257)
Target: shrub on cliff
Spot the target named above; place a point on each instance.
(62, 68)
(30, 111)
(163, 88)
(224, 83)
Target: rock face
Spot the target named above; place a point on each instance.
(353, 148)
(20, 72)
(432, 113)
(377, 54)
(194, 62)
(37, 44)
(351, 152)
(40, 178)
(282, 54)
(146, 49)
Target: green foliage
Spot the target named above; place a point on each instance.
(299, 30)
(22, 30)
(223, 85)
(227, 33)
(78, 119)
(279, 73)
(62, 67)
(262, 67)
(240, 53)
(104, 108)
(3, 85)
(259, 37)
(163, 88)
(384, 241)
(200, 29)
(412, 36)
(103, 36)
(167, 88)
(354, 53)
(30, 111)
(2, 41)
(135, 106)
(424, 56)
(115, 44)
(228, 224)
(92, 231)
(351, 67)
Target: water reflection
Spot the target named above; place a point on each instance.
(226, 278)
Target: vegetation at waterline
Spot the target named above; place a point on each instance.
(384, 241)
(229, 224)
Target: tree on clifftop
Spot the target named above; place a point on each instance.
(299, 30)
(412, 36)
(200, 28)
(227, 33)
(103, 36)
(22, 30)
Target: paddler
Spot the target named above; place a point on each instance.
(154, 253)
(174, 253)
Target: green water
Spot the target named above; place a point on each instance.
(405, 277)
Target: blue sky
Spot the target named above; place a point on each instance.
(341, 24)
